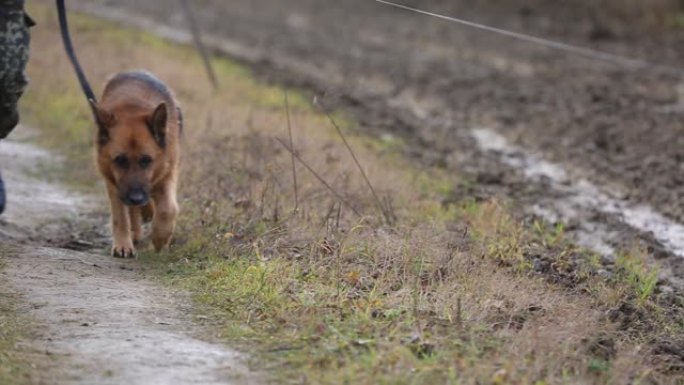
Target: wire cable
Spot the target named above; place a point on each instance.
(628, 63)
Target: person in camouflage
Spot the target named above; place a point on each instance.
(14, 54)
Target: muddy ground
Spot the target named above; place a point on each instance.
(94, 319)
(611, 136)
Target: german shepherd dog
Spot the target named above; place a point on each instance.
(139, 124)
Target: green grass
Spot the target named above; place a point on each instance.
(640, 277)
(313, 321)
(316, 330)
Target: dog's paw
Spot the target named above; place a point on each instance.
(160, 243)
(123, 251)
(137, 237)
(147, 213)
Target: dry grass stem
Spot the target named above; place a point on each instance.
(388, 218)
(320, 178)
(292, 157)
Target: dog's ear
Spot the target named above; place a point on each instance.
(157, 124)
(104, 119)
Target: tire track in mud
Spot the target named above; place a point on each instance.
(570, 199)
(98, 319)
(600, 217)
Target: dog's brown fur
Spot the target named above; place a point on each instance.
(138, 152)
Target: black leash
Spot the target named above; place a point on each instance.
(69, 48)
(83, 81)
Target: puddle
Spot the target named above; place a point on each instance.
(576, 200)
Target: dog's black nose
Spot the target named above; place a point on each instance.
(136, 198)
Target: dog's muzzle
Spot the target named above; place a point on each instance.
(137, 197)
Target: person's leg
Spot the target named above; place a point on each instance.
(14, 54)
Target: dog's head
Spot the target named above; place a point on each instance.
(131, 147)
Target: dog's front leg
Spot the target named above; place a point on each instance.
(165, 211)
(121, 226)
(135, 215)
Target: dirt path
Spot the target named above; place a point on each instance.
(99, 320)
(615, 134)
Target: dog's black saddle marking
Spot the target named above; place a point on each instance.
(143, 77)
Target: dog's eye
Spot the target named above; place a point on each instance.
(121, 161)
(145, 161)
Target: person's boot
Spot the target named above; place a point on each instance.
(2, 195)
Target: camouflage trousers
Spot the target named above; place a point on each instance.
(14, 54)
